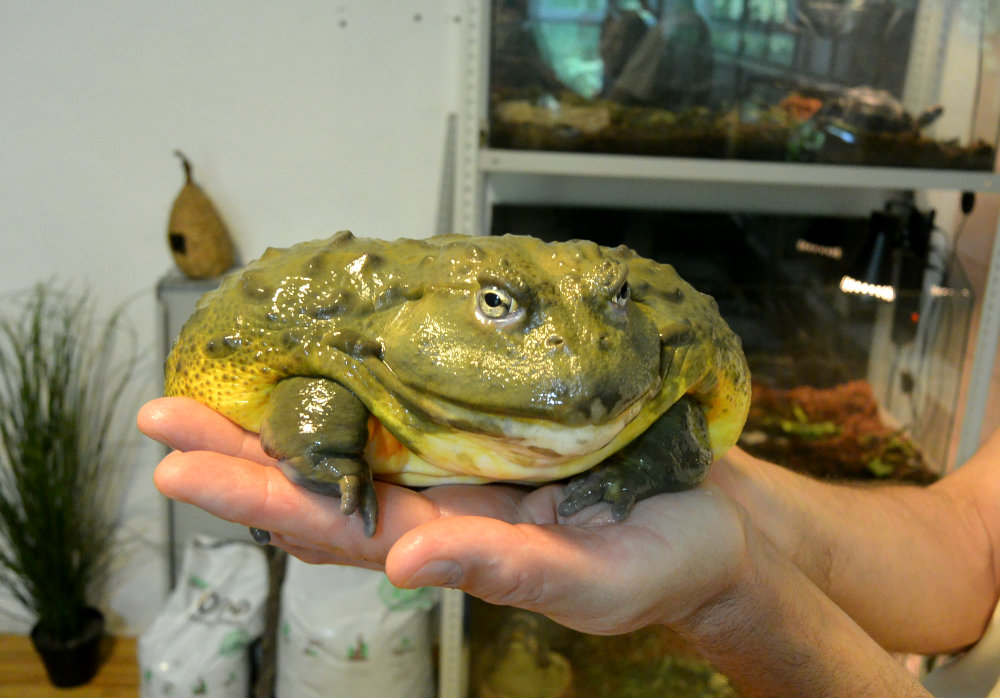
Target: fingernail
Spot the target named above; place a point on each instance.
(436, 573)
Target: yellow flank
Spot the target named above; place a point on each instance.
(727, 405)
(237, 390)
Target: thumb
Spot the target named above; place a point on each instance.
(521, 565)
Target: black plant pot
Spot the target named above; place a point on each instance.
(73, 662)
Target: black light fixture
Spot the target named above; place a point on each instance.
(873, 272)
(890, 266)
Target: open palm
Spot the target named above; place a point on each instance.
(504, 544)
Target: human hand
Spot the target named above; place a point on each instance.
(506, 545)
(689, 560)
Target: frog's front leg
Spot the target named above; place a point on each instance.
(317, 430)
(673, 454)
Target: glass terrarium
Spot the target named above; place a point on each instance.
(517, 654)
(854, 326)
(855, 329)
(902, 83)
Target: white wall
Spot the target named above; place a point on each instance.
(301, 118)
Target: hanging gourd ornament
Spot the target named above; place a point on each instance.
(196, 234)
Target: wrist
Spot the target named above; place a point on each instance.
(773, 632)
(730, 606)
(782, 505)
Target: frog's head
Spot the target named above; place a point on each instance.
(512, 326)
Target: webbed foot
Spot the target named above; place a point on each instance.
(337, 476)
(356, 491)
(317, 429)
(673, 454)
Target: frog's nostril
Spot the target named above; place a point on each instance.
(554, 341)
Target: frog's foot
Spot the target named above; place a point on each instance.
(339, 476)
(614, 482)
(317, 429)
(673, 454)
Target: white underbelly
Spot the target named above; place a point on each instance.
(529, 451)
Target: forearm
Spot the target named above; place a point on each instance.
(911, 565)
(774, 633)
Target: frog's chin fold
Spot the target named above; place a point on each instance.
(526, 450)
(419, 439)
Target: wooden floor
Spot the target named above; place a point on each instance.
(23, 676)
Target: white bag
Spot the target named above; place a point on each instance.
(198, 643)
(348, 632)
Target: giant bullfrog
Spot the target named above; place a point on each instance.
(459, 359)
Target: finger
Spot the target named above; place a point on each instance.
(230, 488)
(255, 495)
(674, 551)
(314, 556)
(512, 503)
(186, 425)
(526, 566)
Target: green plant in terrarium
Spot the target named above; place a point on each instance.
(889, 453)
(64, 374)
(800, 426)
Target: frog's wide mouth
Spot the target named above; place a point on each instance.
(436, 408)
(514, 449)
(421, 420)
(414, 415)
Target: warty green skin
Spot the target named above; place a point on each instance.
(486, 338)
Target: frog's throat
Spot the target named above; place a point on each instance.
(416, 439)
(550, 452)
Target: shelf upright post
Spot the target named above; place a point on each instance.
(467, 217)
(475, 163)
(469, 179)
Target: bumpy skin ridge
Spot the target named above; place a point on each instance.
(395, 322)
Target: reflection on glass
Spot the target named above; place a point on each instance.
(838, 81)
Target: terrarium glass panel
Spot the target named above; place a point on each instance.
(855, 329)
(515, 653)
(905, 83)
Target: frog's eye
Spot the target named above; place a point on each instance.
(496, 304)
(620, 298)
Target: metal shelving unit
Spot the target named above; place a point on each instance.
(484, 176)
(663, 170)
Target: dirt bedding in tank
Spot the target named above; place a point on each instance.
(776, 133)
(831, 433)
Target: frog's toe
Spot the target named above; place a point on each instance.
(369, 507)
(355, 494)
(349, 486)
(347, 478)
(260, 536)
(616, 483)
(580, 492)
(622, 505)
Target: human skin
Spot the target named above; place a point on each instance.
(750, 568)
(917, 567)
